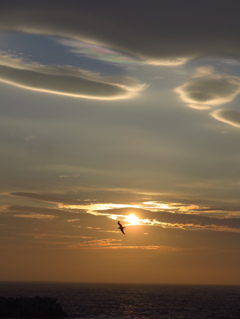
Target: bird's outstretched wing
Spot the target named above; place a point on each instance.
(121, 227)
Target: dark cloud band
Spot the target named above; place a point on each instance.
(148, 29)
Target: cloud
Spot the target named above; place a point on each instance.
(42, 197)
(4, 209)
(30, 138)
(170, 31)
(168, 62)
(208, 89)
(107, 244)
(150, 214)
(34, 215)
(167, 217)
(42, 213)
(102, 53)
(227, 116)
(97, 52)
(199, 106)
(69, 176)
(67, 81)
(99, 31)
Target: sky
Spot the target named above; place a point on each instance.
(120, 111)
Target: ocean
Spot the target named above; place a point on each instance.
(108, 301)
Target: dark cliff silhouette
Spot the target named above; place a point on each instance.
(37, 307)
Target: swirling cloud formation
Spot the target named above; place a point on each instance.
(208, 89)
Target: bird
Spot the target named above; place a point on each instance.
(121, 227)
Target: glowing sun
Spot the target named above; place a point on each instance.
(132, 219)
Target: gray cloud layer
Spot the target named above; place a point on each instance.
(149, 29)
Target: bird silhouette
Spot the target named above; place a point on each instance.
(121, 227)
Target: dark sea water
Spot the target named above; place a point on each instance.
(135, 301)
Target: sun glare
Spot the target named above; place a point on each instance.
(132, 219)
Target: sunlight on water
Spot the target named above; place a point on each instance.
(135, 301)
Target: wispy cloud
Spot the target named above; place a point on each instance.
(151, 213)
(35, 216)
(98, 52)
(39, 236)
(30, 138)
(115, 244)
(97, 243)
(231, 117)
(66, 80)
(169, 62)
(170, 216)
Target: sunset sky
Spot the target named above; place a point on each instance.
(120, 111)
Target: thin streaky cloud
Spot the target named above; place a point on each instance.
(97, 52)
(66, 81)
(231, 117)
(34, 216)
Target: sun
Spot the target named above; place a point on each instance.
(132, 219)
